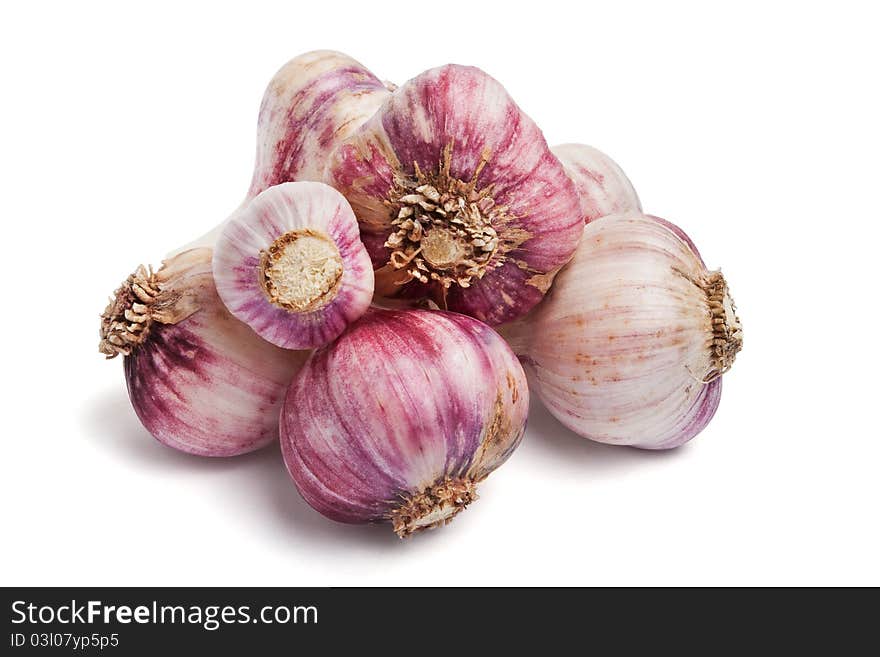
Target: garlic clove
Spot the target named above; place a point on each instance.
(629, 346)
(602, 186)
(400, 418)
(199, 380)
(454, 133)
(292, 267)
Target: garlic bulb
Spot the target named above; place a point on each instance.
(629, 346)
(401, 417)
(292, 267)
(312, 103)
(601, 184)
(199, 380)
(458, 195)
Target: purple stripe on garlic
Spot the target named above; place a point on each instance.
(601, 184)
(401, 417)
(199, 380)
(629, 346)
(459, 197)
(684, 237)
(313, 103)
(292, 267)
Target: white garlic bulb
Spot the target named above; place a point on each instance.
(629, 345)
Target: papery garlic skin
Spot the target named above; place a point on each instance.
(311, 105)
(458, 195)
(601, 184)
(629, 345)
(199, 380)
(292, 267)
(401, 417)
(680, 234)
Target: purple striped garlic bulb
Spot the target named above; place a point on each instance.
(458, 195)
(629, 346)
(291, 265)
(601, 184)
(400, 418)
(199, 380)
(310, 106)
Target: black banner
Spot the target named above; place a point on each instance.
(145, 620)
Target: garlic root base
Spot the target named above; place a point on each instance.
(435, 506)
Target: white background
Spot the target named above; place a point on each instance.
(129, 129)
